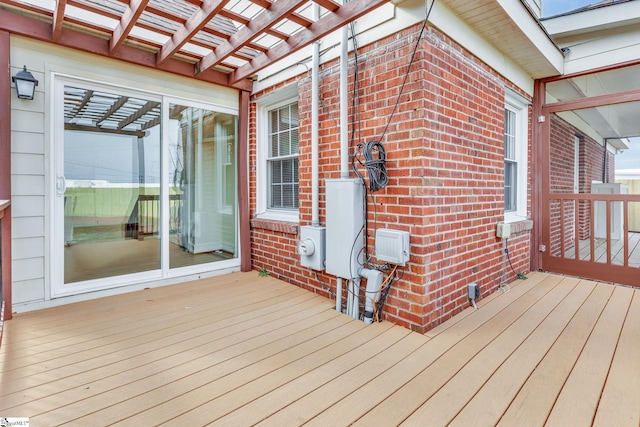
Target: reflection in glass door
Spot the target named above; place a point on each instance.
(145, 189)
(202, 193)
(110, 184)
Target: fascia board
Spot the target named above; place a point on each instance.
(593, 20)
(537, 35)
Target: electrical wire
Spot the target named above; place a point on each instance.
(505, 287)
(373, 152)
(506, 251)
(384, 289)
(326, 288)
(406, 75)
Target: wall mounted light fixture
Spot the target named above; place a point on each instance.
(25, 84)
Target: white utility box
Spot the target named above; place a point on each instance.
(345, 226)
(311, 247)
(503, 230)
(392, 246)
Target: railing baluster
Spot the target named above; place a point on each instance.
(625, 231)
(562, 246)
(608, 231)
(592, 237)
(576, 229)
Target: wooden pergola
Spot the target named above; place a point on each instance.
(223, 42)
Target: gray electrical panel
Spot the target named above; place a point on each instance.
(345, 227)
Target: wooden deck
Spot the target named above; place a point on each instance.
(244, 350)
(617, 250)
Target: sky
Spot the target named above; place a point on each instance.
(629, 159)
(555, 7)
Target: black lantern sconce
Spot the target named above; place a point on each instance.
(25, 84)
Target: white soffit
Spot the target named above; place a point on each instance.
(511, 28)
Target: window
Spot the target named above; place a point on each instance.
(515, 157)
(510, 162)
(282, 162)
(277, 155)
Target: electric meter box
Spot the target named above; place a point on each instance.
(345, 226)
(311, 247)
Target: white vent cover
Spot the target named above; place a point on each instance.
(392, 246)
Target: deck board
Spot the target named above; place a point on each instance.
(536, 398)
(245, 350)
(579, 397)
(440, 408)
(494, 397)
(622, 388)
(401, 404)
(314, 403)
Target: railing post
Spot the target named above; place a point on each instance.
(5, 173)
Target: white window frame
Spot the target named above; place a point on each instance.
(264, 105)
(520, 106)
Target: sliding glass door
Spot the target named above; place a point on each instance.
(145, 188)
(202, 188)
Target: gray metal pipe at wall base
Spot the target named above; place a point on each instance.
(372, 292)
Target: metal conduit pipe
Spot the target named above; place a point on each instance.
(372, 292)
(344, 106)
(315, 90)
(344, 129)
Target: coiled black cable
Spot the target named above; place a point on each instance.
(375, 158)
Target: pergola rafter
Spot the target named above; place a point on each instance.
(129, 19)
(266, 20)
(209, 9)
(58, 18)
(325, 25)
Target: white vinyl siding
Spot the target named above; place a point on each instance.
(28, 195)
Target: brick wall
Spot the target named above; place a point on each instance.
(562, 169)
(445, 164)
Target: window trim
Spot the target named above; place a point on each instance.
(264, 105)
(520, 106)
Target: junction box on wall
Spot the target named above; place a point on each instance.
(345, 223)
(392, 246)
(503, 230)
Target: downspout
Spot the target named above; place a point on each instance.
(605, 159)
(344, 107)
(315, 89)
(344, 129)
